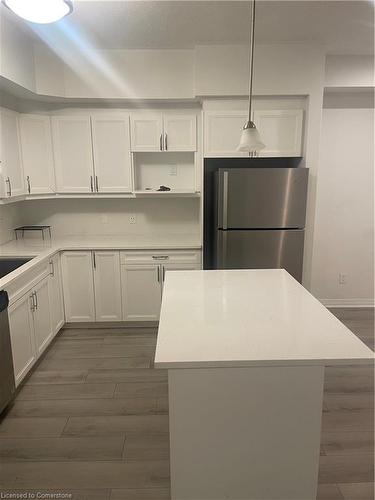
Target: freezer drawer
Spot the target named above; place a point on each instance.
(263, 249)
(261, 198)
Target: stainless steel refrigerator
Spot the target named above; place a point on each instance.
(260, 218)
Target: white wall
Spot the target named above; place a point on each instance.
(16, 54)
(10, 217)
(111, 217)
(344, 224)
(125, 74)
(349, 71)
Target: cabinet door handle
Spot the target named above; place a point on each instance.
(166, 142)
(28, 184)
(158, 273)
(163, 273)
(91, 184)
(32, 302)
(161, 142)
(36, 300)
(94, 259)
(97, 183)
(9, 192)
(52, 267)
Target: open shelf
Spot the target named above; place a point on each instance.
(171, 169)
(170, 194)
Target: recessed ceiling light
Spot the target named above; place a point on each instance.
(40, 11)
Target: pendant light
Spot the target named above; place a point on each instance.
(40, 11)
(250, 139)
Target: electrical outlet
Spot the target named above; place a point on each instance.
(343, 279)
(132, 219)
(172, 169)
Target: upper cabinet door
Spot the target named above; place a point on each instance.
(180, 132)
(107, 286)
(281, 131)
(146, 132)
(37, 156)
(111, 146)
(222, 132)
(11, 165)
(73, 154)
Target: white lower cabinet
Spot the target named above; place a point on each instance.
(42, 316)
(30, 327)
(78, 285)
(142, 280)
(56, 294)
(22, 335)
(107, 286)
(92, 288)
(141, 292)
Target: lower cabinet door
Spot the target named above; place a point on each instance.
(141, 292)
(42, 316)
(22, 336)
(78, 285)
(55, 295)
(107, 286)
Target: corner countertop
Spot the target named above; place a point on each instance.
(40, 250)
(242, 318)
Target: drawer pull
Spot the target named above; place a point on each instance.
(160, 257)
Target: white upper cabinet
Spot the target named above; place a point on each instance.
(147, 132)
(37, 156)
(78, 286)
(222, 132)
(180, 132)
(73, 154)
(107, 286)
(163, 132)
(281, 131)
(11, 171)
(111, 147)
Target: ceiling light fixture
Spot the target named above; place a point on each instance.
(40, 11)
(250, 139)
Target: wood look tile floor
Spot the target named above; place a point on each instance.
(92, 421)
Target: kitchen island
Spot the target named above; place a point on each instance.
(245, 352)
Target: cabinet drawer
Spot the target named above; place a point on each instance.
(27, 280)
(159, 257)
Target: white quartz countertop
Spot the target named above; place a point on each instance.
(38, 250)
(239, 318)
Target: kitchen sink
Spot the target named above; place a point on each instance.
(7, 265)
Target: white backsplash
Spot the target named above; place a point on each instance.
(113, 217)
(10, 217)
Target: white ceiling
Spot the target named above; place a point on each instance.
(344, 27)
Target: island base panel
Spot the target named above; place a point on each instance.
(245, 433)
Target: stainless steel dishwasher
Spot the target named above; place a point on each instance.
(7, 382)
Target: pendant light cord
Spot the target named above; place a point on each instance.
(252, 33)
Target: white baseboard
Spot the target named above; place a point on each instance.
(348, 302)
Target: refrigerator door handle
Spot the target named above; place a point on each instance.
(222, 250)
(225, 200)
